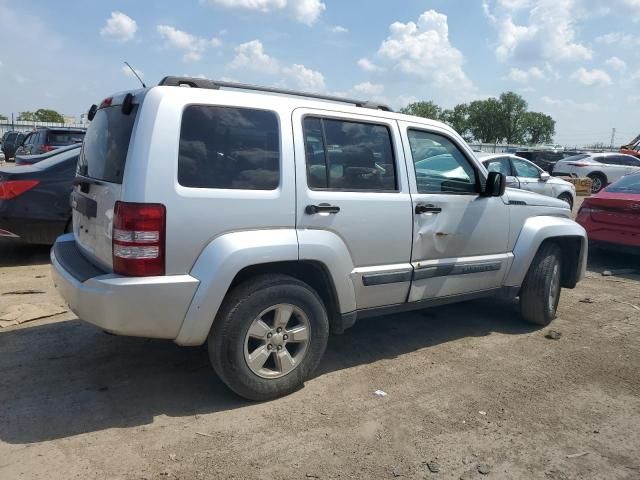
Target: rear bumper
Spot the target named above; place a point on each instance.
(152, 307)
(611, 234)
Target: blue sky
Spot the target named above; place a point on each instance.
(577, 60)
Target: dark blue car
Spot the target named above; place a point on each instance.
(34, 199)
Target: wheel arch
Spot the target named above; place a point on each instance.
(229, 259)
(571, 238)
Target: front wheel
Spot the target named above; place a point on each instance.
(540, 292)
(268, 337)
(565, 197)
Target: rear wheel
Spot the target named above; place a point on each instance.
(598, 181)
(540, 292)
(268, 337)
(565, 197)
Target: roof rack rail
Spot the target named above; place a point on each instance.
(216, 85)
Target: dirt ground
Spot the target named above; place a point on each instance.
(469, 387)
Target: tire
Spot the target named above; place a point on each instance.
(565, 197)
(599, 182)
(540, 291)
(231, 344)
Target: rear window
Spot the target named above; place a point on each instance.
(65, 138)
(106, 144)
(628, 184)
(224, 147)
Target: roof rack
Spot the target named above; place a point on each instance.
(216, 85)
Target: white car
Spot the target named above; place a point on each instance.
(525, 175)
(601, 168)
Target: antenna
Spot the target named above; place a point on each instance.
(136, 74)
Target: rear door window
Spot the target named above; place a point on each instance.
(228, 147)
(348, 156)
(106, 144)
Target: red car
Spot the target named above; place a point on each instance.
(612, 217)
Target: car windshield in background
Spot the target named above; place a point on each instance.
(628, 184)
(65, 138)
(106, 144)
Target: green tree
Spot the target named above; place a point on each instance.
(457, 118)
(27, 117)
(538, 128)
(512, 111)
(3, 117)
(41, 115)
(423, 109)
(46, 115)
(485, 120)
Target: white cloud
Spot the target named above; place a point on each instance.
(251, 55)
(618, 39)
(616, 63)
(523, 76)
(304, 11)
(368, 66)
(591, 77)
(21, 78)
(549, 33)
(339, 29)
(192, 46)
(119, 27)
(566, 103)
(368, 88)
(423, 49)
(127, 72)
(305, 78)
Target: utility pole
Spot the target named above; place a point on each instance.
(13, 127)
(613, 136)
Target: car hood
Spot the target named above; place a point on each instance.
(522, 197)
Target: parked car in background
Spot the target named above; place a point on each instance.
(601, 168)
(46, 139)
(10, 142)
(34, 199)
(612, 217)
(545, 159)
(524, 175)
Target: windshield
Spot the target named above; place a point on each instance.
(106, 144)
(628, 184)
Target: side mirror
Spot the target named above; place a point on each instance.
(544, 176)
(496, 185)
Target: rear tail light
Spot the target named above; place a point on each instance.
(46, 148)
(138, 239)
(13, 188)
(578, 164)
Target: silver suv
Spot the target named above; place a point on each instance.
(261, 220)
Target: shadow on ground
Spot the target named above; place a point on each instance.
(64, 379)
(612, 260)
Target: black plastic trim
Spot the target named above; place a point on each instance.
(73, 262)
(371, 279)
(85, 205)
(456, 269)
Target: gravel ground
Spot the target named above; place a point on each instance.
(470, 389)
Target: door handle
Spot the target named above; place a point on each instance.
(427, 208)
(321, 208)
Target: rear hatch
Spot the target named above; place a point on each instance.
(99, 179)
